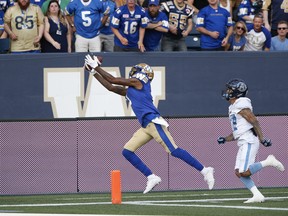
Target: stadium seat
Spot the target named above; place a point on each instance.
(4, 45)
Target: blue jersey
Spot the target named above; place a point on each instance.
(4, 4)
(128, 25)
(142, 101)
(246, 8)
(236, 45)
(152, 37)
(87, 16)
(177, 16)
(213, 20)
(106, 29)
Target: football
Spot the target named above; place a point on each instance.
(88, 68)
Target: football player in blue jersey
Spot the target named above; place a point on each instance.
(128, 25)
(215, 25)
(87, 21)
(137, 89)
(247, 132)
(157, 25)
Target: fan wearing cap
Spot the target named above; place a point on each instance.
(157, 25)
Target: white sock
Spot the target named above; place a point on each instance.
(203, 171)
(255, 191)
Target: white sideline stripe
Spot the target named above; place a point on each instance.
(215, 206)
(205, 200)
(172, 195)
(154, 203)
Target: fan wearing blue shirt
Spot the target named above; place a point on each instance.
(128, 25)
(106, 33)
(157, 25)
(215, 25)
(87, 21)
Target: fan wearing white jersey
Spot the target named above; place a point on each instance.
(247, 132)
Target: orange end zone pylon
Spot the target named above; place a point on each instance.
(116, 194)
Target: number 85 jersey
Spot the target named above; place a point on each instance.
(238, 123)
(128, 25)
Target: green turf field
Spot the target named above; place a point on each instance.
(204, 203)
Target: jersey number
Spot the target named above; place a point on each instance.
(178, 20)
(86, 19)
(130, 28)
(233, 122)
(24, 23)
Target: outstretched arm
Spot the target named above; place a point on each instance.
(94, 64)
(116, 89)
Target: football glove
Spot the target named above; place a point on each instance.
(266, 142)
(91, 62)
(221, 140)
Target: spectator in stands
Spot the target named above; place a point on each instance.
(157, 25)
(215, 25)
(106, 33)
(63, 4)
(57, 35)
(235, 6)
(226, 4)
(24, 23)
(237, 40)
(278, 12)
(199, 4)
(280, 42)
(258, 37)
(87, 21)
(37, 2)
(128, 25)
(248, 9)
(179, 16)
(4, 4)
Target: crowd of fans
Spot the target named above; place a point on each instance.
(36, 26)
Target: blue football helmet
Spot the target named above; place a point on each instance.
(235, 88)
(142, 68)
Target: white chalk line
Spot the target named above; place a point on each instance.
(175, 203)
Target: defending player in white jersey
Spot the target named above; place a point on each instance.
(247, 131)
(137, 89)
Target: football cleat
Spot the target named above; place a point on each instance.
(259, 198)
(152, 182)
(209, 177)
(272, 161)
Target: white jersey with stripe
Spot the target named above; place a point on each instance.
(240, 126)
